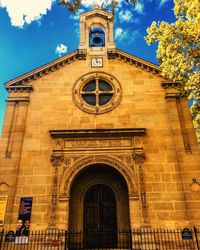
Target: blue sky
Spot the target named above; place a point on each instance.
(35, 32)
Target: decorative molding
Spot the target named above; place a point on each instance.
(135, 61)
(172, 89)
(16, 89)
(143, 196)
(67, 161)
(19, 84)
(134, 196)
(97, 75)
(57, 160)
(20, 100)
(168, 84)
(54, 200)
(139, 157)
(82, 53)
(84, 133)
(71, 172)
(96, 144)
(111, 53)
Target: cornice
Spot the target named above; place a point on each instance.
(169, 84)
(18, 88)
(135, 61)
(19, 84)
(97, 133)
(22, 83)
(96, 12)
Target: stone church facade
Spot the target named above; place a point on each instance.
(99, 139)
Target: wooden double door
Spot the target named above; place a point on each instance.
(100, 219)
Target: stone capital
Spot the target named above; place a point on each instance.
(57, 160)
(139, 157)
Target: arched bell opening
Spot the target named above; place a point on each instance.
(99, 200)
(96, 37)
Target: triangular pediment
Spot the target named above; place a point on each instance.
(23, 82)
(97, 12)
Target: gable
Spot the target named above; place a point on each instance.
(23, 82)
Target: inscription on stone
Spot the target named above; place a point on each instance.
(97, 143)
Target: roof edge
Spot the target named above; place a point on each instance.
(138, 61)
(100, 11)
(45, 69)
(22, 80)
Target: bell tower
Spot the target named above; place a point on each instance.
(96, 32)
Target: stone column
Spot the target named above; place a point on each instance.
(139, 160)
(110, 31)
(56, 161)
(134, 207)
(63, 220)
(82, 32)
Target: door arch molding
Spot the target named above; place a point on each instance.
(70, 173)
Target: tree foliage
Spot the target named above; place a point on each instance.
(74, 5)
(179, 51)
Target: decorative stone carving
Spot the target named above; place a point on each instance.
(137, 140)
(139, 157)
(67, 161)
(58, 144)
(71, 172)
(128, 159)
(57, 160)
(54, 199)
(143, 196)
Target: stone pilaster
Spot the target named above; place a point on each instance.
(139, 160)
(56, 161)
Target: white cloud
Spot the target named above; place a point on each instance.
(61, 49)
(134, 35)
(76, 16)
(89, 3)
(118, 32)
(26, 11)
(77, 29)
(139, 7)
(125, 16)
(161, 3)
(127, 35)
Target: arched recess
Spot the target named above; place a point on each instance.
(91, 176)
(70, 173)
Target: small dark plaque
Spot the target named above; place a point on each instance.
(25, 209)
(10, 236)
(186, 234)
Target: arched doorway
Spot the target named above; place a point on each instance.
(100, 179)
(100, 218)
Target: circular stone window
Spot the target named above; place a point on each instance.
(97, 92)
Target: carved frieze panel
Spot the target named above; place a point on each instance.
(82, 144)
